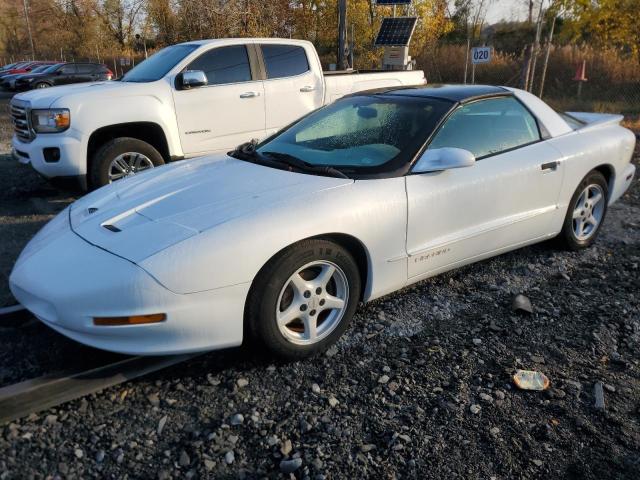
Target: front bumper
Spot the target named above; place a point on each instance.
(66, 282)
(72, 160)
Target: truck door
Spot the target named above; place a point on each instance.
(226, 112)
(292, 88)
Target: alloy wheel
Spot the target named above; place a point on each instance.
(312, 302)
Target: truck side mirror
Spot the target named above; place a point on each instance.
(192, 79)
(446, 158)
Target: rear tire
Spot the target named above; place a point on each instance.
(586, 213)
(120, 158)
(303, 300)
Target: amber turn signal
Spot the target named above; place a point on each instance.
(133, 320)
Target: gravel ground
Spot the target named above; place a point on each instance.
(419, 387)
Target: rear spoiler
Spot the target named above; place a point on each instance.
(593, 120)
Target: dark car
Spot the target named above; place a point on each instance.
(8, 81)
(8, 66)
(23, 67)
(64, 74)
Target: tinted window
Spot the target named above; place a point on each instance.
(487, 127)
(365, 133)
(224, 65)
(68, 69)
(284, 60)
(158, 64)
(51, 68)
(85, 68)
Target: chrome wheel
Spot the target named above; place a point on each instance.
(128, 164)
(42, 85)
(312, 302)
(588, 212)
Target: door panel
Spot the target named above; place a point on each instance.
(292, 89)
(230, 110)
(84, 73)
(65, 75)
(501, 201)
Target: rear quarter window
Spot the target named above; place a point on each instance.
(284, 60)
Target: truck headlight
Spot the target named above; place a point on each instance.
(52, 120)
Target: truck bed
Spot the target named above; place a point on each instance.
(341, 83)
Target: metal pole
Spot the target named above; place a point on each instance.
(546, 57)
(466, 60)
(473, 74)
(26, 17)
(536, 47)
(342, 34)
(352, 47)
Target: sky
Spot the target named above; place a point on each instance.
(507, 10)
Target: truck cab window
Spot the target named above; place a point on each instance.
(284, 60)
(224, 65)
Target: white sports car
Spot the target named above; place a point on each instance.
(279, 241)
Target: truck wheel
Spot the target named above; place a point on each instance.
(120, 158)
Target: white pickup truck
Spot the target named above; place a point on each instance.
(187, 100)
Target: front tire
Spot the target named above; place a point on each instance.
(303, 300)
(42, 85)
(120, 158)
(586, 212)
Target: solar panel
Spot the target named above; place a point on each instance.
(396, 31)
(393, 2)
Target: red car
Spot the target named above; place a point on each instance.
(24, 67)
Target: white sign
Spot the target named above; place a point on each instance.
(481, 55)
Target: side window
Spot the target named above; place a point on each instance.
(85, 68)
(224, 65)
(284, 60)
(487, 127)
(68, 69)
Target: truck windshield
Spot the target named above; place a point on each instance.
(361, 134)
(158, 64)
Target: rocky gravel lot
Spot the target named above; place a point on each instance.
(419, 387)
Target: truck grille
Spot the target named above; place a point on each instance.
(20, 118)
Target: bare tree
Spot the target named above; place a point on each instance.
(120, 18)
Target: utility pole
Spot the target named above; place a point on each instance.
(546, 56)
(26, 17)
(536, 47)
(342, 34)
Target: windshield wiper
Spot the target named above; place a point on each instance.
(245, 151)
(295, 162)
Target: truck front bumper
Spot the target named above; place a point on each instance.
(71, 159)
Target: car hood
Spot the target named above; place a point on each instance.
(45, 97)
(143, 215)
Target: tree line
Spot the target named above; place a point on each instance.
(102, 29)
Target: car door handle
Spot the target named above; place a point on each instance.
(307, 88)
(549, 166)
(249, 94)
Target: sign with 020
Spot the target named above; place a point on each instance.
(481, 54)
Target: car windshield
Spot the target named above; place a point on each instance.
(365, 134)
(40, 69)
(52, 68)
(158, 64)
